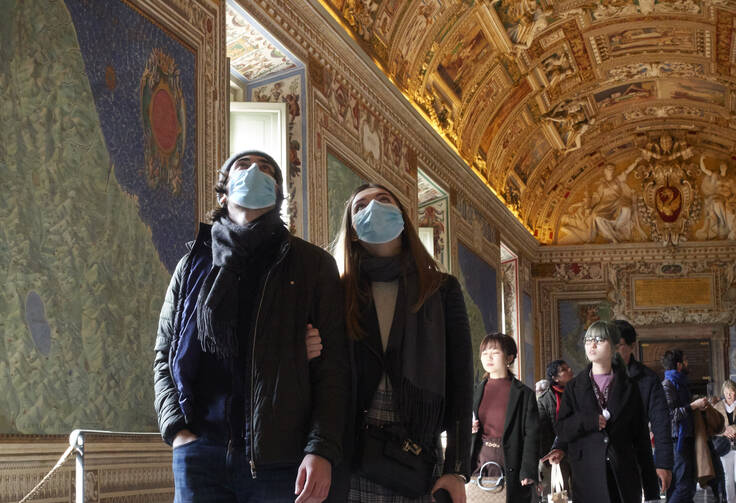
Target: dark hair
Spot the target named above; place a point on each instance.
(224, 172)
(626, 330)
(553, 368)
(671, 358)
(347, 252)
(505, 342)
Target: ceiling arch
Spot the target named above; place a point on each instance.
(539, 96)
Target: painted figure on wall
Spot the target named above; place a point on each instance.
(419, 26)
(578, 223)
(557, 67)
(458, 66)
(614, 209)
(610, 212)
(719, 204)
(524, 19)
(571, 122)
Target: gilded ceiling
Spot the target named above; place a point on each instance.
(252, 55)
(595, 121)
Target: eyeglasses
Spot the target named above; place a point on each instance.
(598, 339)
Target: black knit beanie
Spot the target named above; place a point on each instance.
(225, 169)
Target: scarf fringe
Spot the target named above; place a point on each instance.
(224, 345)
(233, 249)
(425, 410)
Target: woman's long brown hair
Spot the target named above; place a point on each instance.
(347, 252)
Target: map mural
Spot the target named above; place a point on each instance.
(97, 158)
(478, 280)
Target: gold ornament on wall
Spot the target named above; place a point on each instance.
(669, 201)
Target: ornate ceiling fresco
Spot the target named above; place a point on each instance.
(595, 121)
(251, 54)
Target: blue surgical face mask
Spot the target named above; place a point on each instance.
(252, 188)
(378, 223)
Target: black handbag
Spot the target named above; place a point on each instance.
(390, 459)
(721, 445)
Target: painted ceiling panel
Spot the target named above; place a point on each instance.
(251, 53)
(560, 98)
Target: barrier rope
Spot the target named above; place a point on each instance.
(63, 459)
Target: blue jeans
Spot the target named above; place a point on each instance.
(204, 473)
(682, 489)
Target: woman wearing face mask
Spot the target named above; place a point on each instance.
(603, 422)
(507, 426)
(412, 357)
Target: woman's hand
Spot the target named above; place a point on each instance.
(476, 426)
(699, 404)
(601, 422)
(314, 342)
(453, 484)
(554, 456)
(730, 432)
(527, 482)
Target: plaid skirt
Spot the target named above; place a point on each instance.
(363, 490)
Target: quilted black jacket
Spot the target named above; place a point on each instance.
(298, 406)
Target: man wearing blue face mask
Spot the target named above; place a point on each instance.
(249, 417)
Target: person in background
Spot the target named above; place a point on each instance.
(655, 403)
(726, 407)
(506, 430)
(559, 374)
(681, 407)
(603, 422)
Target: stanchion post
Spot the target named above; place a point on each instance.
(79, 475)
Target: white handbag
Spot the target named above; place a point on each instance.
(487, 487)
(558, 493)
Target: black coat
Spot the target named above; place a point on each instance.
(548, 423)
(298, 406)
(520, 439)
(444, 320)
(623, 444)
(368, 365)
(655, 404)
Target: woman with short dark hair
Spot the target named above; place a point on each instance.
(506, 428)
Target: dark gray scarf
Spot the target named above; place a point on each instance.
(415, 354)
(234, 250)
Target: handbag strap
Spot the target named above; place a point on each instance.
(556, 479)
(500, 482)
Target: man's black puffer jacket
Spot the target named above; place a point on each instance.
(298, 406)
